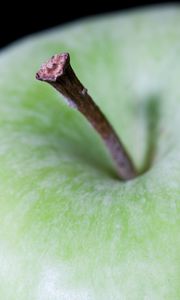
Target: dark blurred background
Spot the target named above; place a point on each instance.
(19, 19)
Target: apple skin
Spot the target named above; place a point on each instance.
(69, 229)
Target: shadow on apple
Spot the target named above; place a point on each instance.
(151, 112)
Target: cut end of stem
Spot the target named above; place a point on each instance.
(53, 68)
(58, 72)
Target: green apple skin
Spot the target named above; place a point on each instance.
(69, 229)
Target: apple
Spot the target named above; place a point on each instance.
(69, 228)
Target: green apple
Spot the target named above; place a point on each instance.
(69, 228)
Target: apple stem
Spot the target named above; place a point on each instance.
(59, 73)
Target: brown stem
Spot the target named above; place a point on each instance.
(59, 73)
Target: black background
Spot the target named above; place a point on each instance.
(18, 20)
